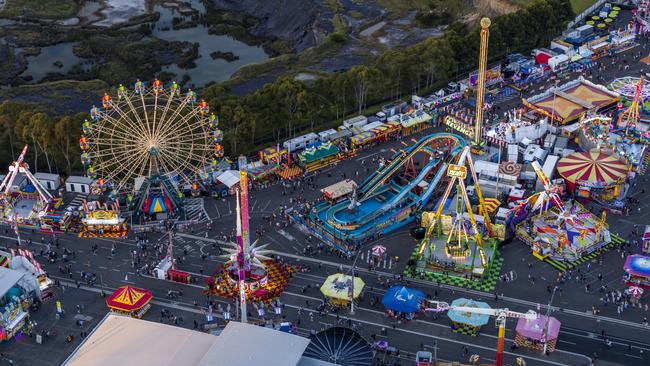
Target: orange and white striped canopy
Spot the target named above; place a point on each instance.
(594, 168)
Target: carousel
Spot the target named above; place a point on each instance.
(130, 300)
(534, 334)
(340, 289)
(594, 174)
(468, 323)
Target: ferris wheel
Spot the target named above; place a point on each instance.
(150, 131)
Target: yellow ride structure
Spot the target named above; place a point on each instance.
(480, 89)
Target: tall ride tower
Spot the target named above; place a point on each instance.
(480, 91)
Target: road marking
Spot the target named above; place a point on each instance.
(586, 314)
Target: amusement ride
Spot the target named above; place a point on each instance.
(464, 237)
(148, 145)
(29, 204)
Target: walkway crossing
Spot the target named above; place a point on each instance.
(77, 200)
(195, 210)
(385, 263)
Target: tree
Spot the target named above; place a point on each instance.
(363, 77)
(41, 131)
(66, 130)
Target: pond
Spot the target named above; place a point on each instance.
(207, 69)
(40, 65)
(109, 12)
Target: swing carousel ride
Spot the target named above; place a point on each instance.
(147, 145)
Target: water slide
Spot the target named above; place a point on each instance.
(376, 180)
(375, 185)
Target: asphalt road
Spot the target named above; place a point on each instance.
(579, 338)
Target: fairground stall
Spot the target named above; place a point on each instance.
(568, 102)
(412, 123)
(340, 289)
(35, 281)
(593, 175)
(273, 155)
(338, 190)
(465, 322)
(130, 300)
(637, 271)
(14, 304)
(102, 221)
(317, 157)
(534, 334)
(402, 302)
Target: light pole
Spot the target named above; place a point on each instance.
(351, 294)
(548, 317)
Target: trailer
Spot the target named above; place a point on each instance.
(549, 169)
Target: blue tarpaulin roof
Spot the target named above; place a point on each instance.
(403, 299)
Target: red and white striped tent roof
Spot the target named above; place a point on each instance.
(595, 168)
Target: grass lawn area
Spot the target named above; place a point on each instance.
(579, 6)
(53, 9)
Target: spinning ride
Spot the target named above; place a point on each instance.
(630, 118)
(153, 141)
(626, 87)
(464, 248)
(249, 274)
(557, 232)
(27, 205)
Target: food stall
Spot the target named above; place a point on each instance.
(402, 302)
(337, 190)
(467, 323)
(130, 300)
(534, 334)
(340, 288)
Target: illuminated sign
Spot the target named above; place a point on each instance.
(457, 171)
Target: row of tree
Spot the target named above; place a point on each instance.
(53, 141)
(287, 107)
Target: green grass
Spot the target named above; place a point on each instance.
(579, 6)
(52, 9)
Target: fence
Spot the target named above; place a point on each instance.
(584, 14)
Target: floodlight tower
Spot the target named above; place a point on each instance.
(480, 91)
